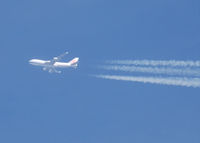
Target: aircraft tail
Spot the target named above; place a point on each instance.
(74, 62)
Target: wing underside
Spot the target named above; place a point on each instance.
(50, 64)
(51, 70)
(56, 59)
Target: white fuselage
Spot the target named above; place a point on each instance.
(44, 63)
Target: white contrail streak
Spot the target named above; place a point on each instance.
(188, 82)
(155, 70)
(172, 63)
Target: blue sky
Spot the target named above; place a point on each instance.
(36, 106)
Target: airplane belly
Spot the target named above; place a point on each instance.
(61, 65)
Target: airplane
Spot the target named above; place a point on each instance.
(51, 65)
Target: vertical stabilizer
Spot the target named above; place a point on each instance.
(74, 61)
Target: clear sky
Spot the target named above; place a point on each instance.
(38, 107)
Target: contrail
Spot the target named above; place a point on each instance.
(154, 70)
(172, 63)
(187, 82)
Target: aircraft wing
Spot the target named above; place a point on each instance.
(56, 59)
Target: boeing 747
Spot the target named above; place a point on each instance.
(52, 65)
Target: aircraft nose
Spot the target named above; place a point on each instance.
(31, 61)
